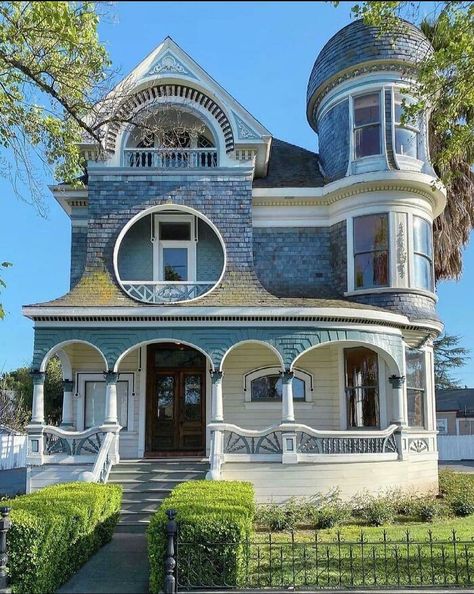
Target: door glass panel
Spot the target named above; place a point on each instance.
(192, 398)
(165, 397)
(175, 264)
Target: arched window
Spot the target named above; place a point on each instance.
(265, 385)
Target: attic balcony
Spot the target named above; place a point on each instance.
(162, 158)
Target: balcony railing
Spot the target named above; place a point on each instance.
(170, 158)
(166, 291)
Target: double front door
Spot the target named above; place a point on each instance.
(175, 399)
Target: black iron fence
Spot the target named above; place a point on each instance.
(282, 561)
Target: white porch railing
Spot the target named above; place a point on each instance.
(166, 291)
(294, 442)
(170, 158)
(53, 445)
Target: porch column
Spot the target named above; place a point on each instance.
(67, 418)
(111, 417)
(288, 411)
(37, 412)
(398, 413)
(217, 403)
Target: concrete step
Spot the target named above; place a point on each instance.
(128, 519)
(164, 484)
(157, 475)
(149, 507)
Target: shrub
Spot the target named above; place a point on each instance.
(214, 520)
(55, 530)
(463, 505)
(376, 510)
(283, 516)
(331, 515)
(428, 510)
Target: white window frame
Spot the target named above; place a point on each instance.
(159, 245)
(424, 389)
(89, 376)
(301, 374)
(381, 124)
(398, 125)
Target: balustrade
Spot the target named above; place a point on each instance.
(165, 291)
(170, 158)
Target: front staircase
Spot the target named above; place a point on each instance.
(147, 482)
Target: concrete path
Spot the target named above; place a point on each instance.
(458, 465)
(13, 481)
(121, 566)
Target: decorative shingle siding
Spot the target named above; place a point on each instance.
(357, 43)
(78, 252)
(338, 247)
(135, 260)
(209, 255)
(411, 304)
(334, 141)
(293, 261)
(226, 201)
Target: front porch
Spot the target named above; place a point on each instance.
(293, 416)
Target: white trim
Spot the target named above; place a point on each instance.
(142, 403)
(393, 289)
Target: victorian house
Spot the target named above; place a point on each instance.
(245, 302)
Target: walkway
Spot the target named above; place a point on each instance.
(121, 566)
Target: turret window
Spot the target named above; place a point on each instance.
(422, 254)
(371, 247)
(367, 125)
(406, 134)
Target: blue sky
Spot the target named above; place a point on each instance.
(262, 53)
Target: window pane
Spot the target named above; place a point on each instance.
(266, 388)
(367, 141)
(371, 233)
(94, 404)
(423, 273)
(175, 231)
(175, 358)
(361, 370)
(298, 389)
(175, 264)
(415, 369)
(416, 417)
(366, 109)
(406, 142)
(371, 270)
(422, 236)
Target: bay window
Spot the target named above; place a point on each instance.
(361, 387)
(416, 380)
(422, 254)
(367, 125)
(406, 133)
(371, 251)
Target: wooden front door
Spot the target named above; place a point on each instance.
(176, 394)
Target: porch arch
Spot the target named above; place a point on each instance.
(58, 347)
(392, 364)
(252, 341)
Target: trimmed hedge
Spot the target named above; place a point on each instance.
(208, 514)
(55, 530)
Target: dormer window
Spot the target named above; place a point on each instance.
(366, 125)
(406, 134)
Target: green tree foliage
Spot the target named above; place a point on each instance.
(20, 383)
(52, 66)
(446, 87)
(449, 355)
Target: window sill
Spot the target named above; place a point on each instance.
(410, 163)
(276, 405)
(412, 290)
(370, 163)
